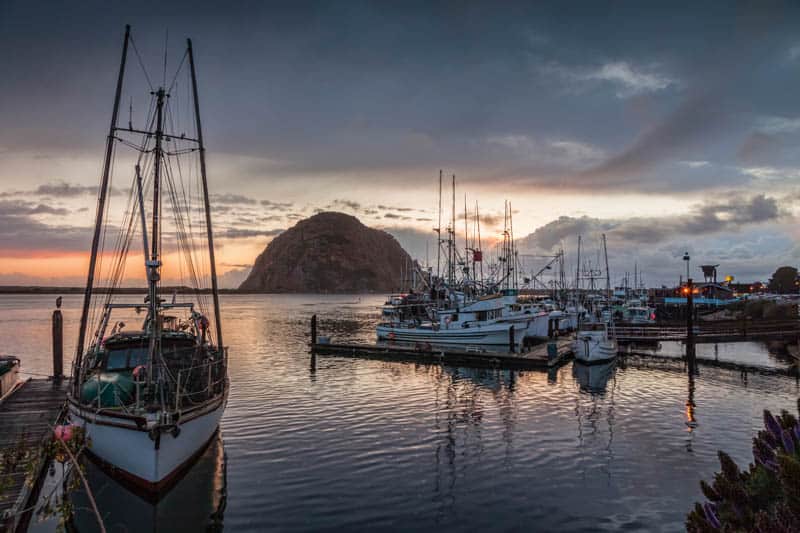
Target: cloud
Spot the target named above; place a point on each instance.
(63, 189)
(707, 218)
(628, 79)
(231, 199)
(277, 205)
(239, 233)
(694, 118)
(17, 208)
(773, 125)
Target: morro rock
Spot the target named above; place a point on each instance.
(329, 252)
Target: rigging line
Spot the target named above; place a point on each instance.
(177, 72)
(141, 63)
(183, 189)
(180, 227)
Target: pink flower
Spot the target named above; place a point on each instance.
(63, 433)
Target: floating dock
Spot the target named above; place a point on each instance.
(537, 358)
(26, 419)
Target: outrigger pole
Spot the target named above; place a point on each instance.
(101, 205)
(214, 287)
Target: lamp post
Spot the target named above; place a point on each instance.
(686, 258)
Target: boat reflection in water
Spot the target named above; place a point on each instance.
(593, 378)
(195, 503)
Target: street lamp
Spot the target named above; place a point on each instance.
(686, 258)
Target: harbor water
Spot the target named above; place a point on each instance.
(329, 443)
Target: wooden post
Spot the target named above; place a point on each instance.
(511, 346)
(313, 330)
(690, 348)
(58, 342)
(689, 310)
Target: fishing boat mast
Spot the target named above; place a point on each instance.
(206, 204)
(608, 287)
(101, 207)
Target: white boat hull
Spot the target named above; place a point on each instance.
(589, 348)
(145, 456)
(493, 335)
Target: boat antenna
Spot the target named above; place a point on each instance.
(210, 233)
(101, 206)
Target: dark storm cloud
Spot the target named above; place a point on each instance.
(326, 89)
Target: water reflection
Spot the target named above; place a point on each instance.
(593, 378)
(196, 503)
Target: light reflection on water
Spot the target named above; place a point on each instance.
(332, 443)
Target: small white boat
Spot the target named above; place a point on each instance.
(9, 375)
(593, 344)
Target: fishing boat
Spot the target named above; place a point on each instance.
(150, 397)
(595, 341)
(476, 324)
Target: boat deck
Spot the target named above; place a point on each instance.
(534, 358)
(26, 418)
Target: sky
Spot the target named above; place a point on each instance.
(668, 127)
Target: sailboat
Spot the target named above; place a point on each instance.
(151, 397)
(595, 341)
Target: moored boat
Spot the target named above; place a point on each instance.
(151, 398)
(9, 375)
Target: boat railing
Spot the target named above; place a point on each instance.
(215, 377)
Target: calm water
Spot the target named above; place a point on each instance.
(343, 444)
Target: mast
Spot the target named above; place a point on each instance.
(452, 238)
(439, 235)
(608, 285)
(140, 192)
(480, 246)
(213, 264)
(466, 238)
(101, 205)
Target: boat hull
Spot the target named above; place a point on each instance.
(493, 336)
(144, 456)
(592, 349)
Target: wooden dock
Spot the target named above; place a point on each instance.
(26, 419)
(534, 359)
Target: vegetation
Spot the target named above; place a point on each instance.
(64, 446)
(784, 281)
(765, 497)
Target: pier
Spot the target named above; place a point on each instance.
(26, 420)
(545, 356)
(712, 332)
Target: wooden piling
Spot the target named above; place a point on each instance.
(511, 344)
(313, 330)
(58, 342)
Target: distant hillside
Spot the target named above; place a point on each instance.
(329, 252)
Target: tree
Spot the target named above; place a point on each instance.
(784, 280)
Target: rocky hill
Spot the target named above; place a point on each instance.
(329, 252)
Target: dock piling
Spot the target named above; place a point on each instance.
(313, 330)
(511, 345)
(58, 342)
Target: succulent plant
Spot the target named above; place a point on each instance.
(765, 497)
